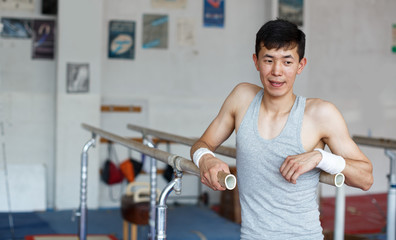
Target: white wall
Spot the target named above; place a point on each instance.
(27, 99)
(80, 29)
(349, 63)
(185, 85)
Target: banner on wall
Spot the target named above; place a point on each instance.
(155, 31)
(121, 40)
(168, 3)
(185, 32)
(43, 39)
(214, 13)
(77, 78)
(26, 5)
(291, 10)
(394, 38)
(16, 28)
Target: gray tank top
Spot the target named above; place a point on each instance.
(273, 208)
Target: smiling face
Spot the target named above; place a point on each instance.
(278, 69)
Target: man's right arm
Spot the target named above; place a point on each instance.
(217, 132)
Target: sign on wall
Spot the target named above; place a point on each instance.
(168, 3)
(26, 5)
(185, 32)
(16, 28)
(121, 40)
(77, 77)
(394, 38)
(43, 39)
(291, 10)
(214, 13)
(155, 31)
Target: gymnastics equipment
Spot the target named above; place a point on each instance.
(387, 144)
(178, 163)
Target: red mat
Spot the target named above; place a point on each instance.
(363, 214)
(68, 237)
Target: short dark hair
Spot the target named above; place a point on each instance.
(279, 34)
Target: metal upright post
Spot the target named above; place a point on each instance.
(82, 213)
(175, 184)
(153, 190)
(339, 219)
(391, 218)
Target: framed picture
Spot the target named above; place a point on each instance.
(155, 31)
(291, 10)
(214, 13)
(77, 78)
(394, 38)
(121, 39)
(43, 39)
(16, 28)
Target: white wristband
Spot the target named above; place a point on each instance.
(199, 153)
(330, 163)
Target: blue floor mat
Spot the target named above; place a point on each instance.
(24, 224)
(184, 222)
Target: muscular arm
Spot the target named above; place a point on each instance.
(358, 169)
(219, 131)
(330, 128)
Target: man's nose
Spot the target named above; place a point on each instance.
(276, 69)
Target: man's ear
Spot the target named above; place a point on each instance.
(301, 65)
(255, 60)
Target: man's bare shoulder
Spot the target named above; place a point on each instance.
(245, 91)
(321, 111)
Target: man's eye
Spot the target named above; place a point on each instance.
(267, 60)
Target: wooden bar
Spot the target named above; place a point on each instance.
(184, 164)
(137, 139)
(177, 162)
(375, 142)
(226, 151)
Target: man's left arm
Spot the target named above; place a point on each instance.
(358, 169)
(345, 155)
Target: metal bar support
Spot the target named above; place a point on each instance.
(153, 190)
(391, 211)
(175, 184)
(82, 213)
(339, 219)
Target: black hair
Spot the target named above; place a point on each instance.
(279, 34)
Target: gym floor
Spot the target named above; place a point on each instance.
(365, 219)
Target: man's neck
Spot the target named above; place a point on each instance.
(278, 105)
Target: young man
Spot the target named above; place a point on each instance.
(279, 139)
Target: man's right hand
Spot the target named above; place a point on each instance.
(209, 166)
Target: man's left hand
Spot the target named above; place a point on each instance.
(295, 165)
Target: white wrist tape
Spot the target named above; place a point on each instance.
(330, 163)
(199, 153)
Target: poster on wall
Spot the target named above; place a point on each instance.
(26, 5)
(121, 40)
(394, 38)
(168, 3)
(16, 28)
(214, 13)
(186, 32)
(291, 10)
(77, 77)
(155, 31)
(43, 39)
